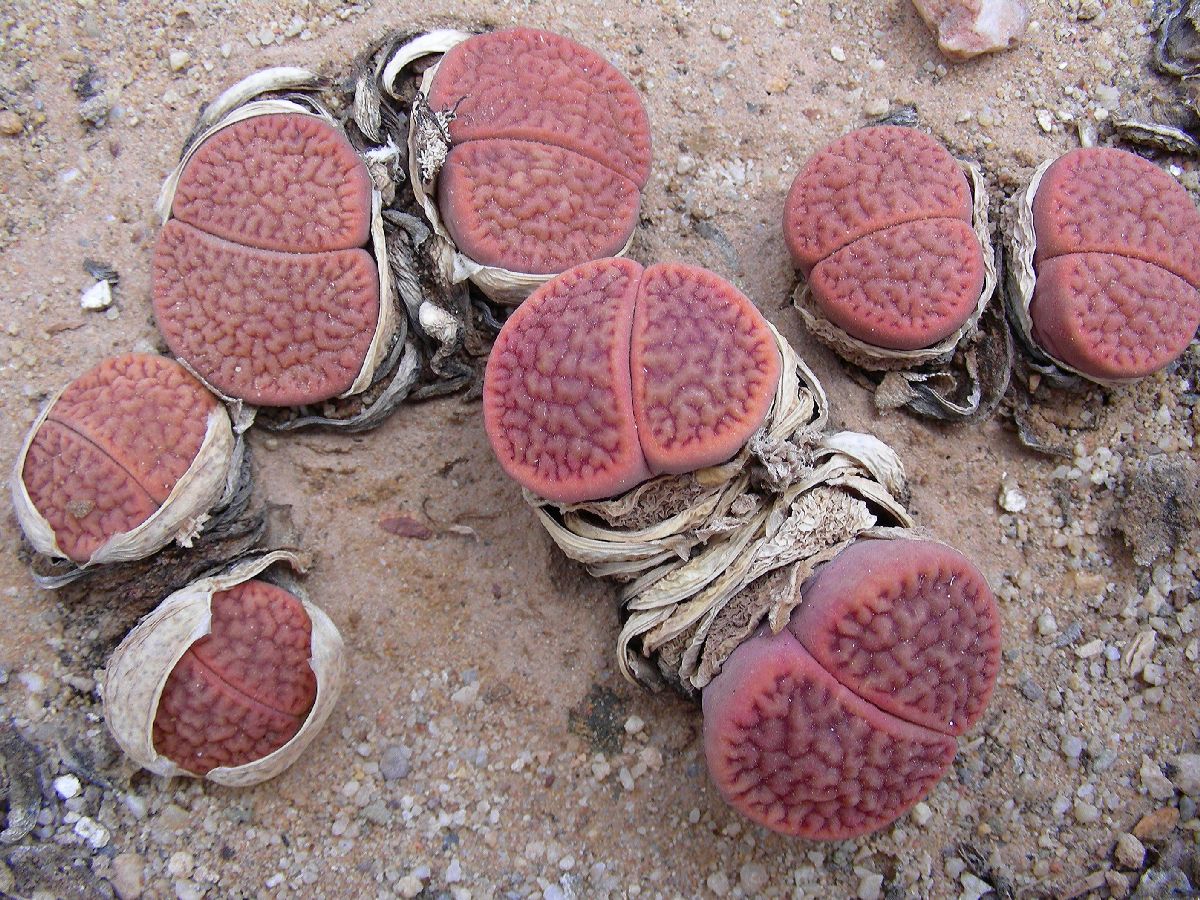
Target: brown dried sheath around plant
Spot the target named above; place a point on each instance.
(550, 150)
(611, 373)
(261, 282)
(113, 447)
(838, 724)
(242, 691)
(880, 224)
(1117, 258)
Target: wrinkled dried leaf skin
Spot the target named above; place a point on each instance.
(270, 328)
(112, 448)
(244, 690)
(910, 626)
(557, 404)
(704, 368)
(904, 287)
(533, 207)
(278, 182)
(870, 179)
(533, 85)
(794, 750)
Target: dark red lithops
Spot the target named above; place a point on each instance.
(611, 373)
(1117, 262)
(879, 222)
(111, 451)
(242, 691)
(841, 722)
(261, 280)
(550, 150)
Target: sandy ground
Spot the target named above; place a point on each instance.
(486, 745)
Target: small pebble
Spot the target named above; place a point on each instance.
(126, 875)
(837, 53)
(178, 60)
(1187, 773)
(877, 107)
(1047, 625)
(634, 725)
(95, 834)
(718, 883)
(1154, 781)
(1129, 852)
(1086, 813)
(454, 872)
(870, 886)
(66, 786)
(974, 887)
(921, 814)
(395, 763)
(1156, 826)
(11, 124)
(753, 878)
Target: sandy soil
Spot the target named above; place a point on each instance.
(486, 745)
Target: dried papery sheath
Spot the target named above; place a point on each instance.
(229, 679)
(272, 279)
(1100, 287)
(517, 192)
(129, 457)
(890, 235)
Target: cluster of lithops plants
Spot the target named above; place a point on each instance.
(664, 432)
(527, 152)
(667, 436)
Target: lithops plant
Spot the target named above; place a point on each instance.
(128, 457)
(891, 238)
(271, 278)
(613, 373)
(836, 724)
(528, 154)
(1103, 273)
(229, 679)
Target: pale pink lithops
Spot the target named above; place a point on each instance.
(1117, 263)
(549, 151)
(228, 679)
(130, 455)
(880, 224)
(838, 724)
(611, 373)
(263, 281)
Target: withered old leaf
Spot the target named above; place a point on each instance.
(406, 527)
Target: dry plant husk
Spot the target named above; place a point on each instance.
(687, 547)
(139, 667)
(392, 363)
(960, 378)
(428, 144)
(1177, 37)
(217, 476)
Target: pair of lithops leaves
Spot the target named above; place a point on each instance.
(230, 677)
(892, 242)
(271, 278)
(845, 715)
